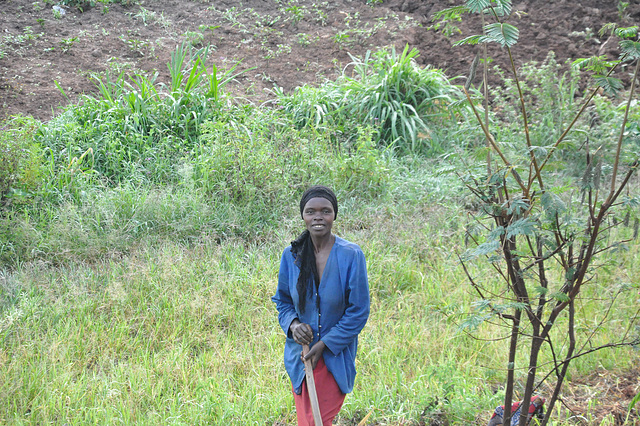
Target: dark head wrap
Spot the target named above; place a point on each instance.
(303, 249)
(319, 191)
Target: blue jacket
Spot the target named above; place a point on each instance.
(344, 310)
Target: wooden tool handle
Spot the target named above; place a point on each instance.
(311, 385)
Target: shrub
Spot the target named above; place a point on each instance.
(138, 125)
(388, 91)
(20, 161)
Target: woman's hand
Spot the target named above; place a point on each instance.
(301, 332)
(315, 353)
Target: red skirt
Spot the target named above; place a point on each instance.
(330, 398)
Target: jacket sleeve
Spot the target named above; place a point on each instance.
(357, 307)
(283, 300)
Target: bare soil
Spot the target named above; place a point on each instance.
(286, 44)
(290, 43)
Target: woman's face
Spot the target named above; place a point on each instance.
(318, 216)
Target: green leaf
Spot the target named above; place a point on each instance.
(552, 204)
(504, 307)
(477, 5)
(497, 233)
(503, 34)
(486, 248)
(630, 48)
(471, 40)
(634, 401)
(517, 206)
(596, 64)
(628, 32)
(610, 26)
(521, 227)
(474, 321)
(570, 273)
(450, 13)
(503, 7)
(539, 290)
(481, 305)
(539, 151)
(559, 296)
(628, 201)
(609, 84)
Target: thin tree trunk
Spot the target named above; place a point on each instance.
(536, 344)
(565, 366)
(513, 346)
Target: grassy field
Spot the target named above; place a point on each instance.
(141, 231)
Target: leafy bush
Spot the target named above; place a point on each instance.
(552, 99)
(259, 158)
(388, 91)
(137, 125)
(20, 161)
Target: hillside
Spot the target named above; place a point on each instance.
(287, 44)
(140, 230)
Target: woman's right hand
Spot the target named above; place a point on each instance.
(301, 332)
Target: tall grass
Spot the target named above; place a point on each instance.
(387, 90)
(185, 333)
(137, 125)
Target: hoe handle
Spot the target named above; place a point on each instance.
(311, 385)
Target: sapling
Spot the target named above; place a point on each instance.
(546, 233)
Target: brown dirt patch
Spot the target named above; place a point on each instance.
(290, 43)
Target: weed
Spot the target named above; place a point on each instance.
(194, 38)
(136, 45)
(341, 38)
(58, 12)
(268, 20)
(27, 36)
(145, 15)
(231, 15)
(319, 13)
(149, 17)
(622, 10)
(81, 5)
(294, 13)
(20, 161)
(67, 43)
(305, 39)
(385, 89)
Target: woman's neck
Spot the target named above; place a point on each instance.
(323, 244)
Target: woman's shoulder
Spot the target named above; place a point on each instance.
(347, 246)
(287, 251)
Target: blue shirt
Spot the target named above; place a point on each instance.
(343, 312)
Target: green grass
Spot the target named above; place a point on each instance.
(140, 235)
(185, 333)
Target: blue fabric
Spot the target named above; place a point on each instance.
(343, 312)
(515, 415)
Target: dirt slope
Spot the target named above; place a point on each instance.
(289, 43)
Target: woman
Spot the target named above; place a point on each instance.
(323, 301)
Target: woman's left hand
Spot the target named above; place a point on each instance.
(314, 353)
